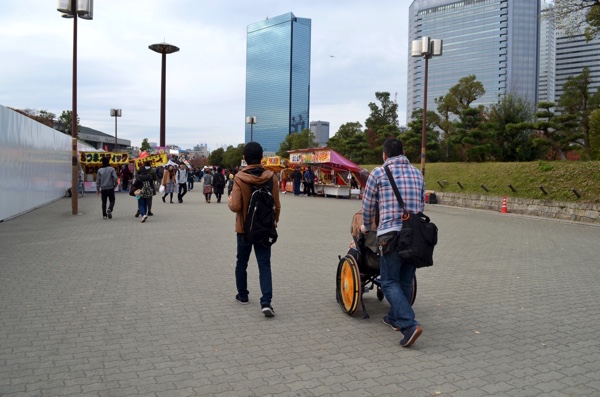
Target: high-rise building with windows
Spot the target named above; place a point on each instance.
(277, 79)
(495, 40)
(564, 55)
(546, 86)
(573, 53)
(320, 130)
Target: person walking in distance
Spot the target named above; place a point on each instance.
(207, 180)
(181, 177)
(106, 180)
(397, 275)
(148, 166)
(144, 188)
(218, 184)
(168, 181)
(253, 175)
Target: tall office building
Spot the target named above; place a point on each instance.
(563, 56)
(573, 53)
(495, 40)
(320, 130)
(277, 79)
(546, 86)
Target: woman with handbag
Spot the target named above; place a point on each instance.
(168, 181)
(218, 184)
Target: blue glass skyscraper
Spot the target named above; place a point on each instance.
(496, 40)
(277, 79)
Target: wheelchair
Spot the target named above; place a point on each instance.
(358, 271)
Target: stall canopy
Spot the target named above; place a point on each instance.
(327, 159)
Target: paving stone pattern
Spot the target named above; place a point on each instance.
(93, 307)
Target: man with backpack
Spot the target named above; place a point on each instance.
(255, 200)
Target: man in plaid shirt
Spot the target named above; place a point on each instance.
(396, 276)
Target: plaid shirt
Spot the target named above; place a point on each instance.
(379, 190)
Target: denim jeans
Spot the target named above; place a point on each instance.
(263, 257)
(396, 283)
(143, 206)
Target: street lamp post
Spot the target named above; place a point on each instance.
(164, 49)
(251, 120)
(115, 113)
(426, 47)
(75, 9)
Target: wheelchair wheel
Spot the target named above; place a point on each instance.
(413, 296)
(348, 285)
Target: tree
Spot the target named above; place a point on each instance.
(475, 140)
(578, 17)
(463, 94)
(145, 145)
(387, 114)
(577, 100)
(344, 141)
(216, 156)
(513, 144)
(65, 122)
(297, 140)
(555, 132)
(233, 156)
(444, 123)
(42, 116)
(412, 138)
(595, 135)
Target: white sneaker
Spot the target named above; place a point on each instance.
(144, 218)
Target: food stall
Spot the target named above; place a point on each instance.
(92, 161)
(278, 165)
(336, 176)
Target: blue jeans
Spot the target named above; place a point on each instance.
(143, 206)
(263, 257)
(396, 282)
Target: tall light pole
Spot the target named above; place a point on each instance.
(115, 113)
(426, 47)
(164, 49)
(75, 9)
(251, 120)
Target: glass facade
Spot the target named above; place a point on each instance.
(547, 54)
(277, 79)
(572, 55)
(495, 40)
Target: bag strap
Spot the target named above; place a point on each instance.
(395, 188)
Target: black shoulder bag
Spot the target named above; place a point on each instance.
(418, 236)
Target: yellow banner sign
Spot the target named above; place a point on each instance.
(154, 159)
(95, 158)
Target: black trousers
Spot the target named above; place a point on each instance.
(182, 191)
(110, 195)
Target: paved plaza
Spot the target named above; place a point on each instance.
(93, 307)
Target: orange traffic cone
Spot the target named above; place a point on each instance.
(504, 209)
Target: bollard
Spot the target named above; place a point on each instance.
(511, 187)
(576, 193)
(461, 186)
(483, 187)
(543, 190)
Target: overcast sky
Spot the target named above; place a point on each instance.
(206, 78)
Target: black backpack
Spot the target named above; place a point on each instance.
(260, 219)
(147, 191)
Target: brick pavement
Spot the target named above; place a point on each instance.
(117, 308)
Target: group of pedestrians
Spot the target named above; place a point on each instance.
(307, 177)
(397, 275)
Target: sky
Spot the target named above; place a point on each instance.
(358, 48)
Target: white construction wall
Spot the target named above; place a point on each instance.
(35, 164)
